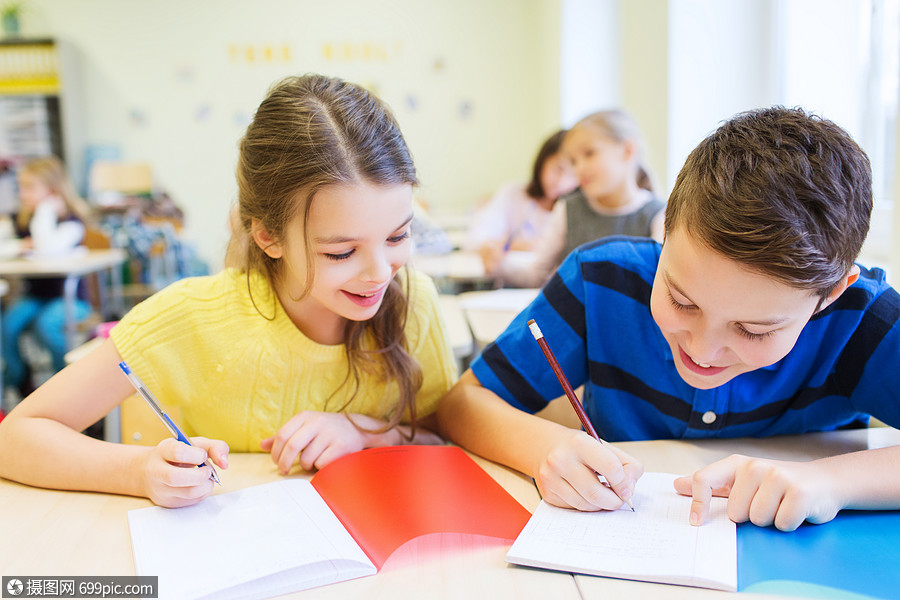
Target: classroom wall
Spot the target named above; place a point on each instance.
(473, 84)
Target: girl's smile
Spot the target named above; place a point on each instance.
(366, 299)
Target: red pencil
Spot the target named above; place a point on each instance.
(566, 386)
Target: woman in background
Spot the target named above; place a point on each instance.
(517, 215)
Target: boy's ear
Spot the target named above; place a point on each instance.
(264, 240)
(848, 280)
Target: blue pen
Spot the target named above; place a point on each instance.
(147, 395)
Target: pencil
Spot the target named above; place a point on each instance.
(567, 387)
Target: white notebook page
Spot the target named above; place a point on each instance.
(654, 543)
(280, 536)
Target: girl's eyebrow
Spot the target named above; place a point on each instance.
(762, 323)
(339, 239)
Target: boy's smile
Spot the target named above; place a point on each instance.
(720, 318)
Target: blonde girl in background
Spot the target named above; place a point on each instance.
(518, 214)
(614, 197)
(51, 223)
(319, 345)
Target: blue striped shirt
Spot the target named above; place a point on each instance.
(595, 315)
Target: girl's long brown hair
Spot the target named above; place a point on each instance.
(310, 132)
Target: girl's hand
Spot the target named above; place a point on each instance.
(171, 476)
(567, 476)
(491, 256)
(765, 492)
(317, 438)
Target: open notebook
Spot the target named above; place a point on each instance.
(295, 534)
(654, 543)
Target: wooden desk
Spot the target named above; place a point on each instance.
(56, 533)
(71, 269)
(490, 312)
(457, 330)
(453, 272)
(4, 288)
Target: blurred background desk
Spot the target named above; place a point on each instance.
(453, 272)
(489, 312)
(72, 269)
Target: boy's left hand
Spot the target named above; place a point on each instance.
(764, 492)
(317, 438)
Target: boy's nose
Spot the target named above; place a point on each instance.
(703, 347)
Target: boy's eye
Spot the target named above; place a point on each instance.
(755, 337)
(678, 305)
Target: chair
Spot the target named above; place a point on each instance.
(110, 181)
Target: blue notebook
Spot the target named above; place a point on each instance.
(856, 556)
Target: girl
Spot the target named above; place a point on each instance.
(51, 223)
(615, 196)
(320, 345)
(517, 215)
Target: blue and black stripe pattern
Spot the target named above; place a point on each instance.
(595, 315)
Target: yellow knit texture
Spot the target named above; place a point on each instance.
(202, 345)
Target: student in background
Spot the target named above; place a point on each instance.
(614, 196)
(750, 320)
(517, 215)
(51, 222)
(319, 345)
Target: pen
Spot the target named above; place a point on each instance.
(567, 387)
(147, 395)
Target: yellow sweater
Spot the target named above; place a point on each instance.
(201, 345)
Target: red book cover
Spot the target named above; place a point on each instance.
(386, 497)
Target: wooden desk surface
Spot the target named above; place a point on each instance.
(78, 264)
(457, 265)
(489, 312)
(54, 533)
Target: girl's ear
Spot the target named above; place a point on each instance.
(629, 150)
(265, 241)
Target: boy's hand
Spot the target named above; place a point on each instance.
(317, 438)
(171, 476)
(764, 492)
(567, 477)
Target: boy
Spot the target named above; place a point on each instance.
(750, 320)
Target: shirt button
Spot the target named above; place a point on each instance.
(709, 417)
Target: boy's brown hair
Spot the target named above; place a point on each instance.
(785, 192)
